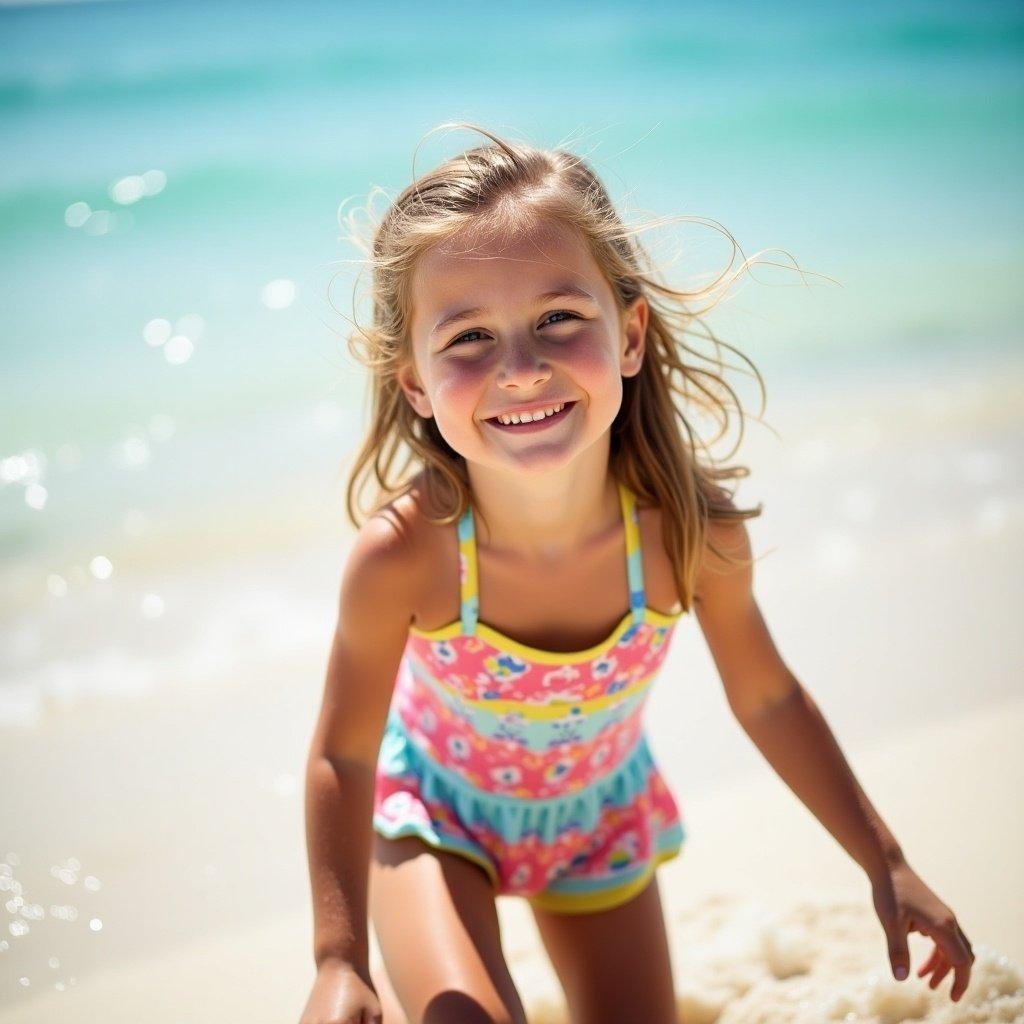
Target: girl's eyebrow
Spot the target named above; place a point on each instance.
(562, 291)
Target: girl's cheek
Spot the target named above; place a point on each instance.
(457, 392)
(590, 359)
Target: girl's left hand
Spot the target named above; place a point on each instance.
(905, 904)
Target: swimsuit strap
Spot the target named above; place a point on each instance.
(469, 607)
(469, 593)
(634, 559)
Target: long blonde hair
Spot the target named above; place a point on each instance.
(655, 449)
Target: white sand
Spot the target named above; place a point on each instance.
(893, 592)
(792, 937)
(782, 935)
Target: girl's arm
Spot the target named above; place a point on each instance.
(788, 728)
(375, 610)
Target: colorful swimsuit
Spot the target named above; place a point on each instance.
(532, 763)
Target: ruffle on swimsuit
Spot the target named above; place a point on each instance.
(532, 763)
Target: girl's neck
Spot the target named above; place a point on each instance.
(549, 521)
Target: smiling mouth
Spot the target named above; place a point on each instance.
(532, 425)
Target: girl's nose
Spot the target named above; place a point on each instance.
(522, 365)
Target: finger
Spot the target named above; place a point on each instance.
(961, 979)
(929, 964)
(962, 976)
(941, 971)
(899, 955)
(965, 941)
(952, 939)
(960, 957)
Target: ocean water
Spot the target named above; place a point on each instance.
(212, 145)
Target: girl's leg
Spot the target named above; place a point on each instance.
(391, 1008)
(438, 932)
(614, 965)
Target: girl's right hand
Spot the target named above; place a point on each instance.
(341, 996)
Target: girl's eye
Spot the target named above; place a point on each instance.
(559, 312)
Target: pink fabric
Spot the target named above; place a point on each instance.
(503, 763)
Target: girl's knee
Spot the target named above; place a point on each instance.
(454, 1007)
(437, 928)
(451, 1006)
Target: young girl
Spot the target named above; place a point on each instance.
(505, 611)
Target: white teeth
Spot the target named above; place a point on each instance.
(527, 417)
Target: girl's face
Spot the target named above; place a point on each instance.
(530, 324)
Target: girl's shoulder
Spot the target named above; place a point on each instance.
(405, 531)
(401, 526)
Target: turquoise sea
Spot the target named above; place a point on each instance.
(171, 161)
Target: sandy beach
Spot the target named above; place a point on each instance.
(153, 847)
(761, 931)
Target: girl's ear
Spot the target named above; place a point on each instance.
(634, 333)
(409, 382)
